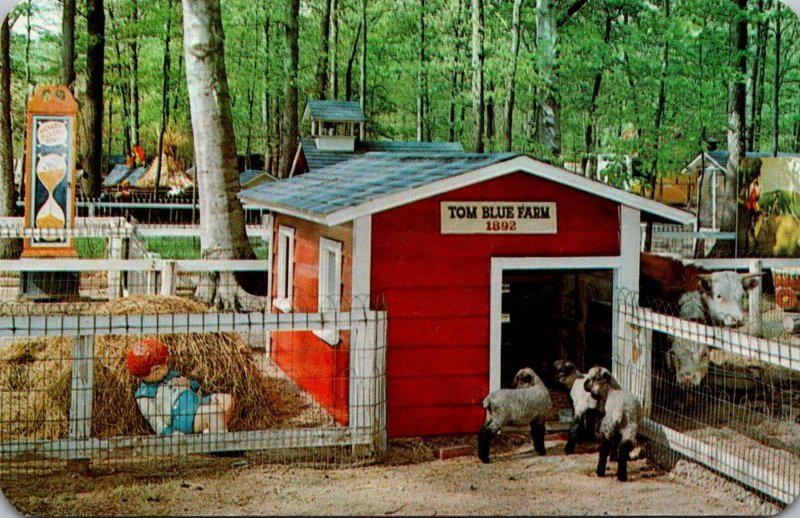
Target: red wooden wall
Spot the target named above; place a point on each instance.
(437, 293)
(319, 368)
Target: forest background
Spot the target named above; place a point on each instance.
(561, 80)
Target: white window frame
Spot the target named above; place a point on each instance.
(325, 300)
(283, 300)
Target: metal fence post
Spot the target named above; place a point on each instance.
(168, 277)
(115, 251)
(754, 299)
(81, 392)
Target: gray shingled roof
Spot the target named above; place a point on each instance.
(117, 175)
(336, 111)
(365, 178)
(317, 159)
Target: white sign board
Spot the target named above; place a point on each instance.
(498, 217)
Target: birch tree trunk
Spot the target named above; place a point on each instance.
(9, 248)
(511, 83)
(477, 76)
(727, 205)
(549, 102)
(222, 225)
(290, 64)
(93, 108)
(68, 45)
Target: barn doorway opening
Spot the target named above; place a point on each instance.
(552, 314)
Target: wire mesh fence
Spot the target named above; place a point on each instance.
(717, 395)
(147, 381)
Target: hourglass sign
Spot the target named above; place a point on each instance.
(50, 173)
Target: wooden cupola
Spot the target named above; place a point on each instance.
(335, 124)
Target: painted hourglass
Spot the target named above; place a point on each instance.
(51, 170)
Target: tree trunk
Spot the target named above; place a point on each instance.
(362, 83)
(421, 75)
(589, 136)
(164, 97)
(222, 223)
(333, 45)
(549, 101)
(477, 76)
(28, 93)
(511, 83)
(124, 91)
(757, 81)
(776, 90)
(490, 115)
(134, 78)
(659, 117)
(727, 205)
(93, 111)
(290, 64)
(68, 44)
(348, 78)
(266, 106)
(322, 62)
(9, 248)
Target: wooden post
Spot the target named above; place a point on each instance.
(115, 250)
(169, 277)
(754, 298)
(81, 395)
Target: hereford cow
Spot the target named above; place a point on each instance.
(718, 302)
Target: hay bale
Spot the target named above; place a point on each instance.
(35, 376)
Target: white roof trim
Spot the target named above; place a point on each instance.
(523, 164)
(697, 159)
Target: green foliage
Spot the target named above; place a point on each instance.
(630, 64)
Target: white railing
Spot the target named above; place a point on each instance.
(773, 472)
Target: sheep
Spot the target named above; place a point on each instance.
(583, 404)
(621, 413)
(527, 403)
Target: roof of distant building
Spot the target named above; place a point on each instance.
(318, 159)
(334, 111)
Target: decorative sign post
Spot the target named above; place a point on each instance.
(50, 188)
(50, 172)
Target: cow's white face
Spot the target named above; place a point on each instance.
(689, 361)
(724, 295)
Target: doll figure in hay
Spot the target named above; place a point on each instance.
(170, 402)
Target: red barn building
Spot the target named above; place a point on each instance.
(478, 258)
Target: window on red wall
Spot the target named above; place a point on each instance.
(330, 282)
(285, 266)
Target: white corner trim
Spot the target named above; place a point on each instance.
(362, 260)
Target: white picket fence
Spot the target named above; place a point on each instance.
(775, 473)
(127, 251)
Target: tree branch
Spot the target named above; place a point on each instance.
(574, 8)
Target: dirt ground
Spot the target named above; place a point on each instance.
(409, 482)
